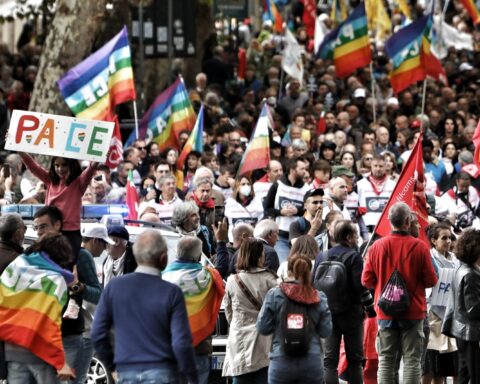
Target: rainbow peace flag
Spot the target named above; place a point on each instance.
(92, 88)
(472, 10)
(348, 44)
(170, 113)
(270, 12)
(194, 142)
(257, 154)
(410, 52)
(33, 292)
(203, 291)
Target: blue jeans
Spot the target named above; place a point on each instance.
(296, 370)
(83, 360)
(72, 345)
(23, 373)
(283, 249)
(202, 362)
(150, 376)
(257, 377)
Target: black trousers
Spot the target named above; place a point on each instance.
(468, 362)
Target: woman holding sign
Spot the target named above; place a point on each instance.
(66, 184)
(441, 359)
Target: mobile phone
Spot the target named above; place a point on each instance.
(6, 170)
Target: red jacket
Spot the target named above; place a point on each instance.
(412, 258)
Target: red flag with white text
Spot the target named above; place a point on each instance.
(410, 189)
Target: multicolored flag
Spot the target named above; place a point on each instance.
(131, 198)
(348, 44)
(270, 12)
(33, 292)
(103, 80)
(292, 62)
(378, 19)
(257, 154)
(410, 189)
(309, 16)
(411, 55)
(170, 113)
(472, 10)
(203, 291)
(194, 142)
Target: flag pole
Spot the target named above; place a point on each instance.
(135, 116)
(424, 96)
(373, 94)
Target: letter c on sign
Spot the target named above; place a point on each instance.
(26, 123)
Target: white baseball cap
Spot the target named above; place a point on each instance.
(97, 231)
(359, 93)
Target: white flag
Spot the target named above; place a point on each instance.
(321, 31)
(292, 57)
(448, 36)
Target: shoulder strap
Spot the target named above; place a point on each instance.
(342, 257)
(302, 224)
(247, 292)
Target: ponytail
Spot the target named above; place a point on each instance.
(301, 268)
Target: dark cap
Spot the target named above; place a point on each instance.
(328, 145)
(313, 192)
(118, 231)
(341, 170)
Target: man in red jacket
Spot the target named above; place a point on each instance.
(404, 334)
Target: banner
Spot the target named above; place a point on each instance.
(441, 291)
(55, 135)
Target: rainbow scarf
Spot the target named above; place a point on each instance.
(33, 292)
(203, 290)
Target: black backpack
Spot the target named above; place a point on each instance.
(296, 328)
(331, 278)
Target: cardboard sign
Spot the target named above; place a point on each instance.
(442, 291)
(55, 135)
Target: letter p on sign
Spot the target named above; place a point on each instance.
(26, 123)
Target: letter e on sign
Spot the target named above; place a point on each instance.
(95, 140)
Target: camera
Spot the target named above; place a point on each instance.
(366, 299)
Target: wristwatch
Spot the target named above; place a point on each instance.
(77, 288)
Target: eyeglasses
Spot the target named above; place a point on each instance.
(141, 148)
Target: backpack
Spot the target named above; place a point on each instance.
(331, 278)
(296, 328)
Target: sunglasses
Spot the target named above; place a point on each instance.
(141, 148)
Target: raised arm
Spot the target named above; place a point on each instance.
(35, 168)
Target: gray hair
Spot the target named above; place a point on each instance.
(9, 224)
(189, 249)
(399, 214)
(163, 179)
(299, 144)
(148, 247)
(182, 211)
(201, 181)
(265, 228)
(200, 174)
(242, 228)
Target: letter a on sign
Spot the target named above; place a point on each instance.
(47, 133)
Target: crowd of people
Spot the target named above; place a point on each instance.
(275, 236)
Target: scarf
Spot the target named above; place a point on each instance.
(113, 268)
(209, 204)
(378, 184)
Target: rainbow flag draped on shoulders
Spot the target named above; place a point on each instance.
(257, 153)
(348, 45)
(203, 291)
(170, 113)
(411, 55)
(33, 292)
(93, 87)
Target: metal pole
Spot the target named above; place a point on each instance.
(424, 96)
(170, 34)
(373, 94)
(140, 57)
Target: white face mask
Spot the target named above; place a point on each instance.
(245, 190)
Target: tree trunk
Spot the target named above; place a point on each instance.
(70, 39)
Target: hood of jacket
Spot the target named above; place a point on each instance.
(296, 292)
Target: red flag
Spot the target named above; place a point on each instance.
(410, 189)
(131, 198)
(115, 153)
(309, 16)
(242, 63)
(321, 124)
(476, 142)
